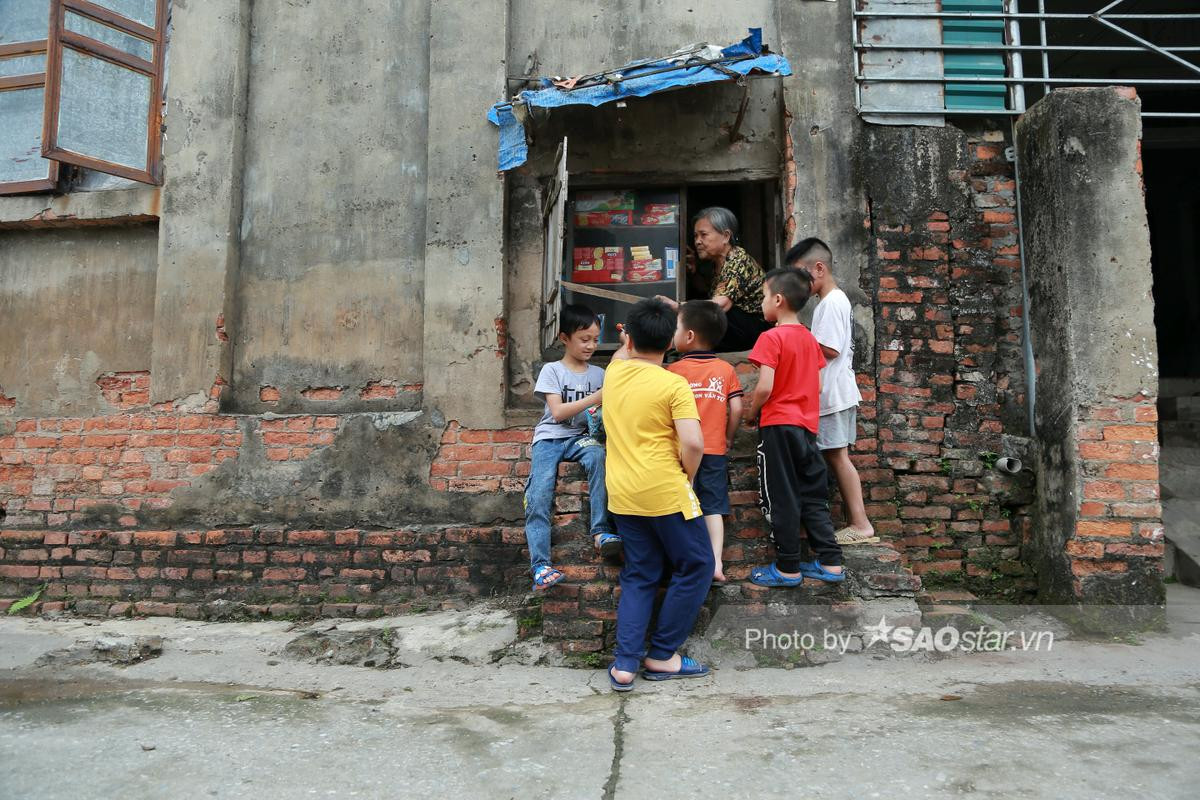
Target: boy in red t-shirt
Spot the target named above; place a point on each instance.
(719, 399)
(793, 483)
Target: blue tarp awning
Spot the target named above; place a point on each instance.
(634, 80)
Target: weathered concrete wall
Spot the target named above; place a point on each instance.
(596, 36)
(825, 142)
(333, 224)
(465, 336)
(76, 304)
(1099, 536)
(201, 198)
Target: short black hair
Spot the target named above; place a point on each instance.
(793, 283)
(651, 325)
(705, 318)
(812, 246)
(576, 317)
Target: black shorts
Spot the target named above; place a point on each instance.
(712, 485)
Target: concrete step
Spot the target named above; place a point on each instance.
(1179, 432)
(580, 613)
(788, 634)
(1181, 522)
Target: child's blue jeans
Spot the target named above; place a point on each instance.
(539, 492)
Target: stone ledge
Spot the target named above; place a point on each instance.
(80, 209)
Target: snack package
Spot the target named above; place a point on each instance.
(595, 423)
(607, 200)
(644, 271)
(598, 265)
(603, 219)
(664, 218)
(671, 258)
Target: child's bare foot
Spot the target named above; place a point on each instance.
(852, 535)
(621, 676)
(660, 665)
(719, 574)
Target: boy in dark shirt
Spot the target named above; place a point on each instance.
(793, 483)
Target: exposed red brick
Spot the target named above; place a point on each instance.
(379, 390)
(323, 393)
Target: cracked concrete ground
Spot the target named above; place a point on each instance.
(224, 713)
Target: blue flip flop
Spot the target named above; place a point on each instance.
(616, 685)
(770, 576)
(688, 668)
(546, 577)
(815, 569)
(610, 546)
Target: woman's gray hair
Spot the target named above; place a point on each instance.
(722, 219)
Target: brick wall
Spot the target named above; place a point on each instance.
(944, 384)
(76, 493)
(1119, 527)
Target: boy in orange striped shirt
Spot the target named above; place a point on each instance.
(718, 396)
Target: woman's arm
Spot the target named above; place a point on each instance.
(673, 304)
(691, 445)
(724, 302)
(564, 411)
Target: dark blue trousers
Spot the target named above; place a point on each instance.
(651, 544)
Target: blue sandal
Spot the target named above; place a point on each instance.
(770, 576)
(616, 685)
(546, 577)
(688, 668)
(815, 569)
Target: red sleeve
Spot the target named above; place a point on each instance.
(766, 350)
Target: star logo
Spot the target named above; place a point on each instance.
(879, 633)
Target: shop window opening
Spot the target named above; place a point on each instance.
(612, 242)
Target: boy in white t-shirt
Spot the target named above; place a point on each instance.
(833, 328)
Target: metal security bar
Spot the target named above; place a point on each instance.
(891, 39)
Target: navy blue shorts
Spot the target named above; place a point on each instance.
(712, 485)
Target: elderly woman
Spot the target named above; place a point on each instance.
(737, 288)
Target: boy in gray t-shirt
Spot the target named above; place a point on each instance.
(568, 387)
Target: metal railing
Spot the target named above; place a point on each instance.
(1012, 49)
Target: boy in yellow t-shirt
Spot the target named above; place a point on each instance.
(654, 448)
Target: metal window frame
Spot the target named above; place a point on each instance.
(60, 37)
(1015, 80)
(31, 81)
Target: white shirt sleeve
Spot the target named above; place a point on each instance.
(831, 322)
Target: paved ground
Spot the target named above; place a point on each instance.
(223, 713)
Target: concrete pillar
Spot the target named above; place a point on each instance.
(824, 137)
(201, 198)
(465, 335)
(1098, 537)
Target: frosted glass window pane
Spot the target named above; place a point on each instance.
(22, 65)
(103, 110)
(24, 20)
(110, 36)
(21, 136)
(137, 10)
